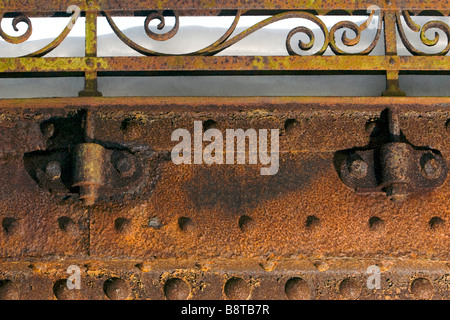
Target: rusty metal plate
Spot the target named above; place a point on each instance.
(205, 224)
(352, 202)
(300, 279)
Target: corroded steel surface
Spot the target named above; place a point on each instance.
(206, 280)
(206, 224)
(226, 64)
(89, 182)
(129, 5)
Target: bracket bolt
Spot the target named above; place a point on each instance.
(358, 169)
(53, 170)
(125, 167)
(431, 168)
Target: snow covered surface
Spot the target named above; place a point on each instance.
(196, 33)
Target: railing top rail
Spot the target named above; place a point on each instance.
(42, 6)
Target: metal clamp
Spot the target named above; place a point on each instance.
(394, 166)
(87, 167)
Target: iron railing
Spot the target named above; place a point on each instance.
(395, 17)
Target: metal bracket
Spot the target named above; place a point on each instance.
(86, 167)
(392, 165)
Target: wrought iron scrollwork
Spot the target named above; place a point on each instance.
(16, 20)
(25, 36)
(357, 30)
(229, 38)
(160, 16)
(165, 36)
(435, 24)
(225, 41)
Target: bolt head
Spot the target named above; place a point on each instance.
(358, 169)
(432, 168)
(53, 170)
(125, 167)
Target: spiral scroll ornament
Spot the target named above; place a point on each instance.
(435, 24)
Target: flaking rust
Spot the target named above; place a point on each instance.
(222, 231)
(89, 191)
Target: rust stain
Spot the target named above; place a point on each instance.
(88, 181)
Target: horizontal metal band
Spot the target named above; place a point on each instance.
(307, 209)
(132, 5)
(269, 279)
(256, 64)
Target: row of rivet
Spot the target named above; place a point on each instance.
(235, 288)
(10, 225)
(246, 223)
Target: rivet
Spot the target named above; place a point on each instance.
(209, 124)
(8, 290)
(436, 223)
(312, 222)
(421, 288)
(358, 169)
(122, 225)
(297, 289)
(116, 289)
(66, 224)
(89, 62)
(62, 292)
(237, 289)
(289, 125)
(176, 289)
(10, 225)
(131, 129)
(349, 289)
(186, 224)
(376, 224)
(246, 223)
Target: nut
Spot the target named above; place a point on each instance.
(358, 169)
